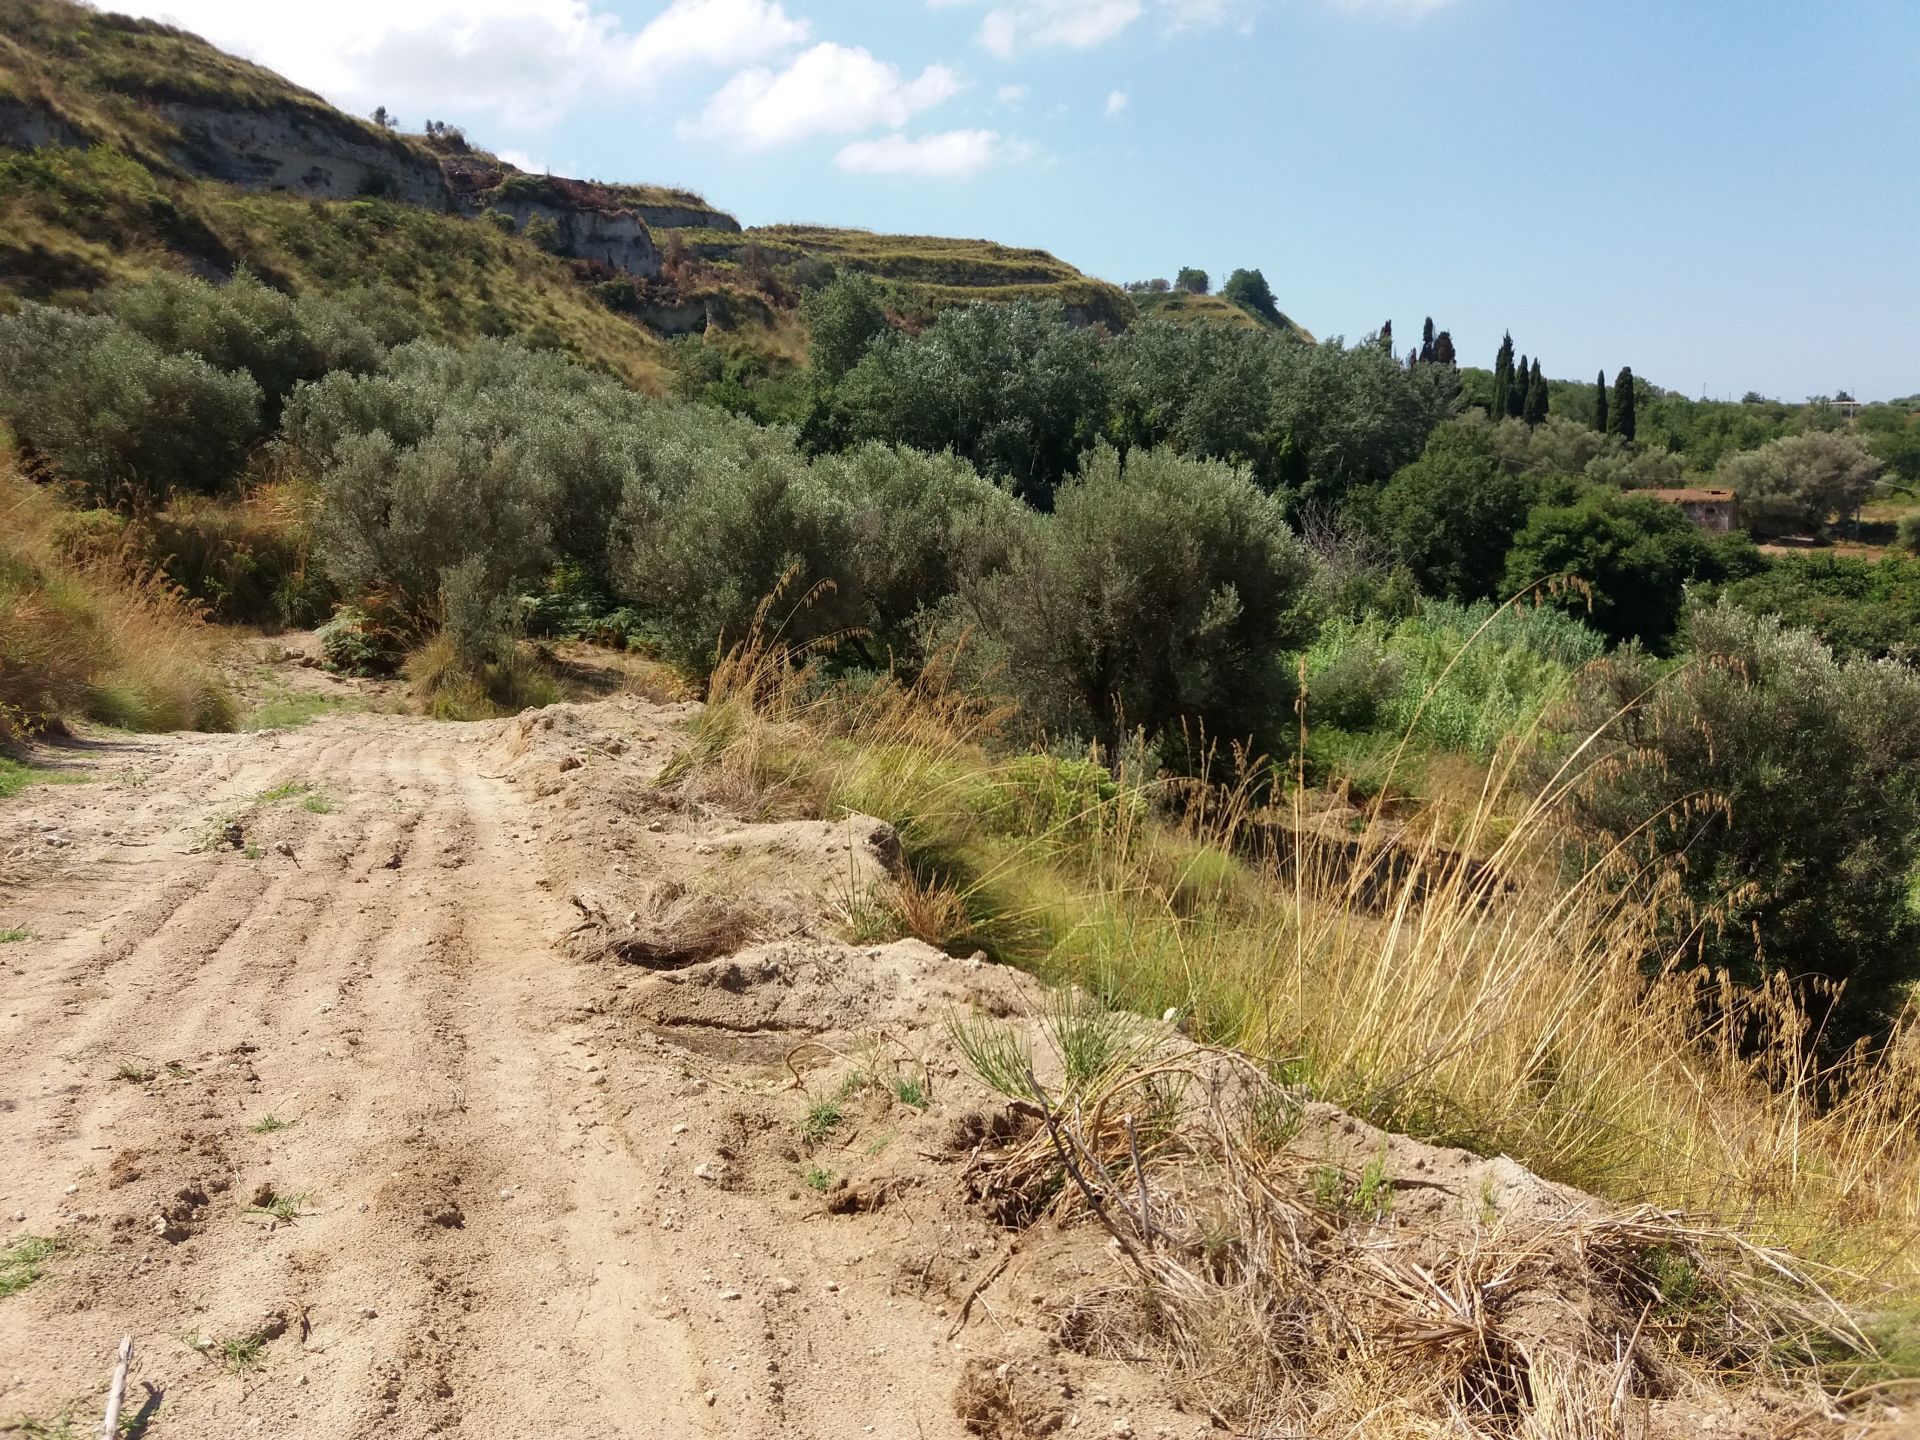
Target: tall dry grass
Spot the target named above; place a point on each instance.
(1443, 979)
(100, 640)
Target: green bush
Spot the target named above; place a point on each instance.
(1621, 562)
(1451, 515)
(115, 413)
(357, 642)
(1785, 786)
(1160, 594)
(716, 514)
(1460, 677)
(247, 326)
(1858, 607)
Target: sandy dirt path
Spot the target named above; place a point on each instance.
(325, 1114)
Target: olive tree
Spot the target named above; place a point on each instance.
(1160, 593)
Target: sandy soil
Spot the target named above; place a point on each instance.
(522, 1188)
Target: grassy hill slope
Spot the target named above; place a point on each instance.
(128, 146)
(1183, 307)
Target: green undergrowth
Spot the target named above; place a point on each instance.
(16, 776)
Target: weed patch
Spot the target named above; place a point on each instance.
(23, 1261)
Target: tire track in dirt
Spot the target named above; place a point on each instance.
(403, 1164)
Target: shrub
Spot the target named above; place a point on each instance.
(1462, 677)
(115, 413)
(919, 525)
(84, 638)
(1159, 594)
(1451, 515)
(449, 685)
(1857, 606)
(1631, 555)
(1789, 784)
(715, 516)
(359, 642)
(247, 326)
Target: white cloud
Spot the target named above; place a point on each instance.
(950, 155)
(1116, 102)
(1034, 24)
(524, 63)
(827, 90)
(1408, 9)
(1011, 94)
(521, 160)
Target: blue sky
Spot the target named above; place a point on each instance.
(1724, 194)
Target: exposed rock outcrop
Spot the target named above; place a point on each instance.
(269, 150)
(618, 239)
(28, 127)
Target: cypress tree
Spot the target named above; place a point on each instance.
(1386, 336)
(1517, 391)
(1502, 378)
(1536, 409)
(1426, 342)
(1600, 403)
(1620, 419)
(1443, 351)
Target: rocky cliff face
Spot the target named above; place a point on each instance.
(685, 217)
(618, 239)
(264, 150)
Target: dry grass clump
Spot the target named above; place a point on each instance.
(671, 927)
(448, 686)
(102, 640)
(1287, 1295)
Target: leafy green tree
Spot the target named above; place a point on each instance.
(1192, 280)
(1600, 403)
(1517, 391)
(1631, 557)
(1205, 390)
(1160, 593)
(1443, 351)
(1344, 418)
(842, 318)
(1782, 786)
(1249, 290)
(1451, 515)
(1014, 389)
(1798, 481)
(1620, 417)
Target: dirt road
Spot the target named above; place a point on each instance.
(309, 1073)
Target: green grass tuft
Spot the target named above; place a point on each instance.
(23, 1261)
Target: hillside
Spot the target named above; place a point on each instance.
(128, 146)
(1183, 307)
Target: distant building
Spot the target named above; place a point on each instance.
(1715, 510)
